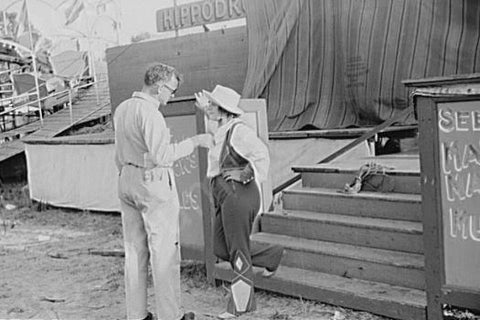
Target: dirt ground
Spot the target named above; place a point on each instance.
(48, 271)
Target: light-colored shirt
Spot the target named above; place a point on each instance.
(246, 143)
(142, 137)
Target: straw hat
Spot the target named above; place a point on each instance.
(226, 98)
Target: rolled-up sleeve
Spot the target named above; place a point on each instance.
(157, 140)
(245, 141)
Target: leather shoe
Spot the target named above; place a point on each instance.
(226, 315)
(267, 273)
(149, 316)
(188, 316)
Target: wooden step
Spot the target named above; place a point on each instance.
(395, 206)
(331, 176)
(379, 265)
(363, 231)
(382, 299)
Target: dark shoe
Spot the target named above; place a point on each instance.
(149, 316)
(268, 273)
(188, 316)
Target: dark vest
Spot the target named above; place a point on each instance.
(229, 158)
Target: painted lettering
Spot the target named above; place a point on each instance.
(220, 9)
(176, 17)
(455, 186)
(475, 228)
(458, 221)
(445, 120)
(449, 121)
(463, 225)
(471, 156)
(184, 16)
(189, 200)
(168, 20)
(462, 120)
(198, 13)
(449, 152)
(476, 121)
(207, 11)
(185, 165)
(473, 183)
(236, 7)
(195, 10)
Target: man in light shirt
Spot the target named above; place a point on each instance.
(148, 196)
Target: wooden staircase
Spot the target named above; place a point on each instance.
(362, 251)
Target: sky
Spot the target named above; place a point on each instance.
(95, 31)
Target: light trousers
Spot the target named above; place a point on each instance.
(150, 218)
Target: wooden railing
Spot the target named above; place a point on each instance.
(367, 135)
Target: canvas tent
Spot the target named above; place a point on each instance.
(340, 63)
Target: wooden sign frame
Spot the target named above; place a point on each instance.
(439, 292)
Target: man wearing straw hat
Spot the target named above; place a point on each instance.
(148, 195)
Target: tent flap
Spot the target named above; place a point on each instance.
(340, 63)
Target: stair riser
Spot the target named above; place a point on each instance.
(337, 180)
(356, 235)
(358, 269)
(338, 296)
(376, 208)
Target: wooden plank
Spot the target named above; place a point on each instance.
(387, 234)
(367, 204)
(391, 301)
(379, 265)
(340, 133)
(351, 145)
(206, 59)
(443, 80)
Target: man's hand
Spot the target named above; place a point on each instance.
(203, 140)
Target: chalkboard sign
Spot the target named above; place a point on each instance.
(183, 121)
(448, 111)
(459, 143)
(189, 187)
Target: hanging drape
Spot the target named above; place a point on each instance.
(340, 63)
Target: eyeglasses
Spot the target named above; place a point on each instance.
(172, 91)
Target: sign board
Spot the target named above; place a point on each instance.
(189, 188)
(199, 13)
(459, 144)
(449, 131)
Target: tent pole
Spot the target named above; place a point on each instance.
(34, 58)
(5, 30)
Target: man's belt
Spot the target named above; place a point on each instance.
(152, 174)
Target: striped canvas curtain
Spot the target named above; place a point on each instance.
(340, 63)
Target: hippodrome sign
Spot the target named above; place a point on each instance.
(199, 13)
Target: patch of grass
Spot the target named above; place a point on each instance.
(194, 273)
(16, 193)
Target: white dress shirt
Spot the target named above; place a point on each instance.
(142, 137)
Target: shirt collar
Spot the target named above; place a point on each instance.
(142, 95)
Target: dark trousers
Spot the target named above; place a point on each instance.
(236, 206)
